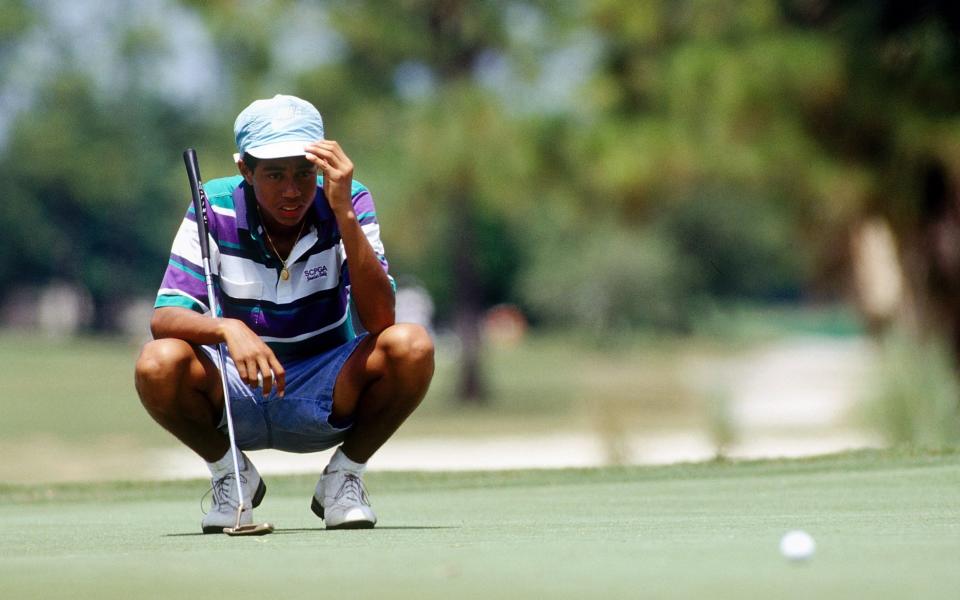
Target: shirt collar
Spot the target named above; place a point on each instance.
(240, 206)
(321, 207)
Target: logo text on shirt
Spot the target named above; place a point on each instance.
(315, 272)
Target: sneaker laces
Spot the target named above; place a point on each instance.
(352, 489)
(222, 493)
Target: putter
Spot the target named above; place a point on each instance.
(199, 207)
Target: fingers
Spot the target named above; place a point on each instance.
(250, 372)
(337, 169)
(327, 146)
(270, 375)
(264, 375)
(256, 363)
(330, 157)
(246, 369)
(279, 375)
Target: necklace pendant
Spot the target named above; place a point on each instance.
(284, 274)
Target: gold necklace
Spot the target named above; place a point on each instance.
(284, 272)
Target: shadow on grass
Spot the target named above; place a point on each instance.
(324, 530)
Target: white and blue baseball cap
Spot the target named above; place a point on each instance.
(277, 127)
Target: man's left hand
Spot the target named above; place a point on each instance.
(337, 169)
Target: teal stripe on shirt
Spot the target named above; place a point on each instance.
(187, 270)
(177, 300)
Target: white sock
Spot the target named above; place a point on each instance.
(223, 466)
(341, 462)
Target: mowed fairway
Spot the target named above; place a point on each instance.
(887, 525)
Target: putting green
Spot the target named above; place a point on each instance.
(887, 525)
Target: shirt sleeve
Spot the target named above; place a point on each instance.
(366, 213)
(183, 282)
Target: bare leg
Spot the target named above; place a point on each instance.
(380, 385)
(180, 388)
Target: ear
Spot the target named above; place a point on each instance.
(242, 167)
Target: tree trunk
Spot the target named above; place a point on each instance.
(471, 385)
(937, 252)
(912, 277)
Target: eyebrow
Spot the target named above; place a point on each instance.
(304, 166)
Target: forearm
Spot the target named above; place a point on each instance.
(371, 291)
(369, 285)
(187, 325)
(255, 361)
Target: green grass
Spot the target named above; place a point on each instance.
(744, 323)
(557, 382)
(71, 413)
(71, 389)
(887, 525)
(82, 389)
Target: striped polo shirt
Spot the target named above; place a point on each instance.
(304, 315)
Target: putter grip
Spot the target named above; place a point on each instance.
(199, 199)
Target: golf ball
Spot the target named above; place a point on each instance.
(797, 545)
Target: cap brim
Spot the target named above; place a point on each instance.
(279, 150)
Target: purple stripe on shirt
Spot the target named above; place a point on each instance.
(177, 278)
(307, 318)
(296, 318)
(363, 202)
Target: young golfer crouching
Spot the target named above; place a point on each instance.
(294, 243)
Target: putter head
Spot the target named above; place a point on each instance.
(252, 529)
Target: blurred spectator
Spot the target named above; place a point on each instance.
(414, 305)
(504, 325)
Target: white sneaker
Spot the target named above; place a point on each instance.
(223, 513)
(341, 500)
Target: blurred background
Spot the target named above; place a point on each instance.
(641, 230)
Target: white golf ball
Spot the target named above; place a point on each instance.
(797, 545)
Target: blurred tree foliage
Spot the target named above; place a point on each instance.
(610, 164)
(896, 120)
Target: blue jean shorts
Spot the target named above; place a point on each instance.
(298, 422)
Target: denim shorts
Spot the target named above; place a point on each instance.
(298, 422)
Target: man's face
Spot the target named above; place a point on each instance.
(285, 188)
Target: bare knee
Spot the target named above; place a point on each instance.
(408, 346)
(162, 364)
